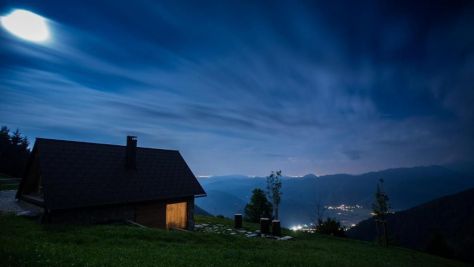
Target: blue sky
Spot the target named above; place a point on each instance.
(249, 87)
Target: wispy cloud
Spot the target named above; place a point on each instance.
(302, 87)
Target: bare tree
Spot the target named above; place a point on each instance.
(380, 209)
(320, 209)
(274, 191)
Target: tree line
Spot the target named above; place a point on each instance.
(14, 152)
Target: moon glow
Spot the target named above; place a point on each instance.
(26, 25)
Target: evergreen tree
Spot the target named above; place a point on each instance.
(381, 206)
(14, 152)
(15, 138)
(4, 139)
(380, 210)
(258, 206)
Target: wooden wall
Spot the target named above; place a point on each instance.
(151, 214)
(190, 225)
(92, 215)
(30, 184)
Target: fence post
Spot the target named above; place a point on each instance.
(237, 221)
(276, 228)
(265, 226)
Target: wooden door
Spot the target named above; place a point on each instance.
(176, 215)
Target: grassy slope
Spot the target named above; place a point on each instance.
(23, 242)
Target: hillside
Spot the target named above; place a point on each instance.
(449, 218)
(225, 204)
(25, 243)
(407, 187)
(199, 211)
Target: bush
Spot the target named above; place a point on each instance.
(330, 227)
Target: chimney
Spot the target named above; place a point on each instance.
(131, 153)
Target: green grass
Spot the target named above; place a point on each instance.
(230, 223)
(224, 221)
(25, 243)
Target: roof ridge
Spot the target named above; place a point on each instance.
(100, 144)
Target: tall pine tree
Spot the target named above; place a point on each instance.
(380, 209)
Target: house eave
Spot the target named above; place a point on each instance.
(32, 200)
(52, 207)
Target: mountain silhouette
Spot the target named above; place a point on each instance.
(448, 219)
(406, 187)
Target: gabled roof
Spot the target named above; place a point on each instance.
(79, 174)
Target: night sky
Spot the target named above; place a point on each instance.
(250, 87)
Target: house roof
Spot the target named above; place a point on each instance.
(79, 174)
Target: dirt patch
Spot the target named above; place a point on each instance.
(8, 203)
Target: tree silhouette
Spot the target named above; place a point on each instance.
(258, 206)
(274, 191)
(330, 227)
(320, 209)
(380, 209)
(14, 152)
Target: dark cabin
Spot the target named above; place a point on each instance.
(78, 182)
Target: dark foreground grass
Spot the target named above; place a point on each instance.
(6, 182)
(26, 243)
(8, 186)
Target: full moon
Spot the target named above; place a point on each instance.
(26, 25)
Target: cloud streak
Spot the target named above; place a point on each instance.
(302, 87)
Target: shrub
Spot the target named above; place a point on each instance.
(330, 227)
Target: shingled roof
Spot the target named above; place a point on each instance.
(79, 174)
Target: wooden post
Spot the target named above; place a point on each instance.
(276, 228)
(237, 221)
(264, 226)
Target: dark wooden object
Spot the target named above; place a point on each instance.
(237, 221)
(265, 226)
(276, 228)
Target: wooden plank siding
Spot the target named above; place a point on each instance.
(31, 183)
(165, 214)
(91, 215)
(151, 214)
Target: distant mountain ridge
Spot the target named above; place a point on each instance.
(406, 187)
(451, 217)
(199, 211)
